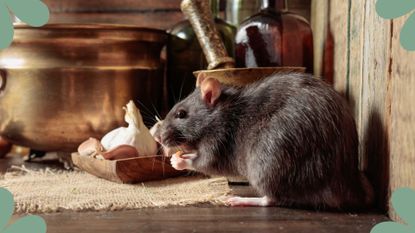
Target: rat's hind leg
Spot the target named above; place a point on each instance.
(250, 201)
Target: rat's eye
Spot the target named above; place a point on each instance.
(181, 114)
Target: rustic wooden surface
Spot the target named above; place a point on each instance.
(338, 26)
(360, 73)
(162, 14)
(149, 19)
(319, 24)
(402, 110)
(355, 58)
(373, 118)
(376, 75)
(111, 5)
(211, 219)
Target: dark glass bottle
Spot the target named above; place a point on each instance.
(274, 37)
(239, 10)
(184, 55)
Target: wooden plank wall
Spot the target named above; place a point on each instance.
(402, 112)
(376, 75)
(162, 14)
(143, 13)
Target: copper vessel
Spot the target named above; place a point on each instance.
(60, 84)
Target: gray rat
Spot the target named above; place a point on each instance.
(291, 135)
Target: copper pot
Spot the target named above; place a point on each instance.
(83, 45)
(61, 84)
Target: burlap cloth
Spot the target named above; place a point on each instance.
(53, 191)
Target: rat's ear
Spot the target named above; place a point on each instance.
(200, 78)
(210, 89)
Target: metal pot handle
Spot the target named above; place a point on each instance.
(3, 80)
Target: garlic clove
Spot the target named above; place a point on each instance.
(90, 147)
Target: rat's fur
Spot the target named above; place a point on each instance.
(291, 135)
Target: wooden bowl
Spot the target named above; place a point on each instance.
(132, 170)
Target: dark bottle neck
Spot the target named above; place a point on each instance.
(274, 4)
(214, 7)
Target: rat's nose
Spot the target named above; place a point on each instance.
(165, 136)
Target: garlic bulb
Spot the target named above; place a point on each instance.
(136, 134)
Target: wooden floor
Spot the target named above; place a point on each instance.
(202, 218)
(210, 219)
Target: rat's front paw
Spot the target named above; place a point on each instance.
(183, 162)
